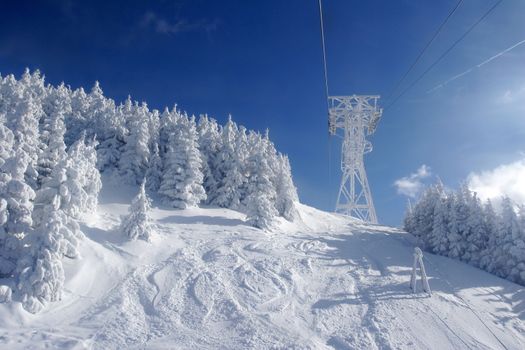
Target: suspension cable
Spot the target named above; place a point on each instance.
(444, 54)
(434, 36)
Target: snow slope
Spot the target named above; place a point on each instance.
(208, 281)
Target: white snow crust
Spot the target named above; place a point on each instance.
(207, 280)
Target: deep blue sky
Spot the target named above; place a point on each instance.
(261, 62)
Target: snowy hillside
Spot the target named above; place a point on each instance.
(209, 280)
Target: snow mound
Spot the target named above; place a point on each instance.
(208, 280)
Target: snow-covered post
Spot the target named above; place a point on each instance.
(418, 261)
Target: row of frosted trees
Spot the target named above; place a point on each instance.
(45, 187)
(459, 225)
(55, 141)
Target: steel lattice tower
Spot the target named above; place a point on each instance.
(353, 118)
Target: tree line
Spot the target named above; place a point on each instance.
(55, 142)
(459, 225)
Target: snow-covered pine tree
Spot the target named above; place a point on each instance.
(458, 229)
(55, 197)
(182, 178)
(16, 202)
(287, 198)
(53, 129)
(136, 151)
(517, 250)
(7, 143)
(154, 170)
(84, 177)
(229, 168)
(260, 209)
(137, 224)
(209, 145)
(104, 122)
(79, 119)
(507, 227)
(41, 275)
(110, 149)
(489, 226)
(23, 120)
(476, 239)
(438, 240)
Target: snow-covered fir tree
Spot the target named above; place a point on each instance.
(53, 129)
(55, 235)
(209, 145)
(260, 209)
(136, 151)
(17, 207)
(84, 178)
(182, 179)
(137, 224)
(286, 196)
(7, 142)
(229, 168)
(154, 170)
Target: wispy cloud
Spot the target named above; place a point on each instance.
(412, 185)
(504, 180)
(163, 26)
(512, 95)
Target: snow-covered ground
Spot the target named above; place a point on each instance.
(208, 281)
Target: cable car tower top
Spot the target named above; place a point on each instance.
(353, 118)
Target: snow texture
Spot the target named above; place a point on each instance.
(207, 280)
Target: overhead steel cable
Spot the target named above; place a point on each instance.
(434, 36)
(326, 90)
(444, 53)
(324, 51)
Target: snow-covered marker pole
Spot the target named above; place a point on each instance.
(418, 261)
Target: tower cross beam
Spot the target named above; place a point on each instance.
(353, 118)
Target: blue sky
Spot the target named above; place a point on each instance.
(261, 62)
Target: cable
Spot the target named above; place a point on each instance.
(424, 49)
(326, 90)
(324, 52)
(444, 54)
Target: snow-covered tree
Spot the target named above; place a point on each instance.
(476, 238)
(24, 122)
(154, 170)
(229, 168)
(489, 227)
(136, 151)
(79, 120)
(7, 142)
(286, 196)
(16, 206)
(260, 209)
(209, 145)
(41, 274)
(84, 177)
(458, 228)
(137, 224)
(182, 178)
(53, 129)
(438, 238)
(507, 229)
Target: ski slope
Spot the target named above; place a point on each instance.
(208, 281)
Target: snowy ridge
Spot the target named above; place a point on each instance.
(208, 280)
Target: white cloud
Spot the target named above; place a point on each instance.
(511, 96)
(504, 180)
(162, 26)
(412, 185)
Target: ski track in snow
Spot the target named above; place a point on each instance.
(327, 283)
